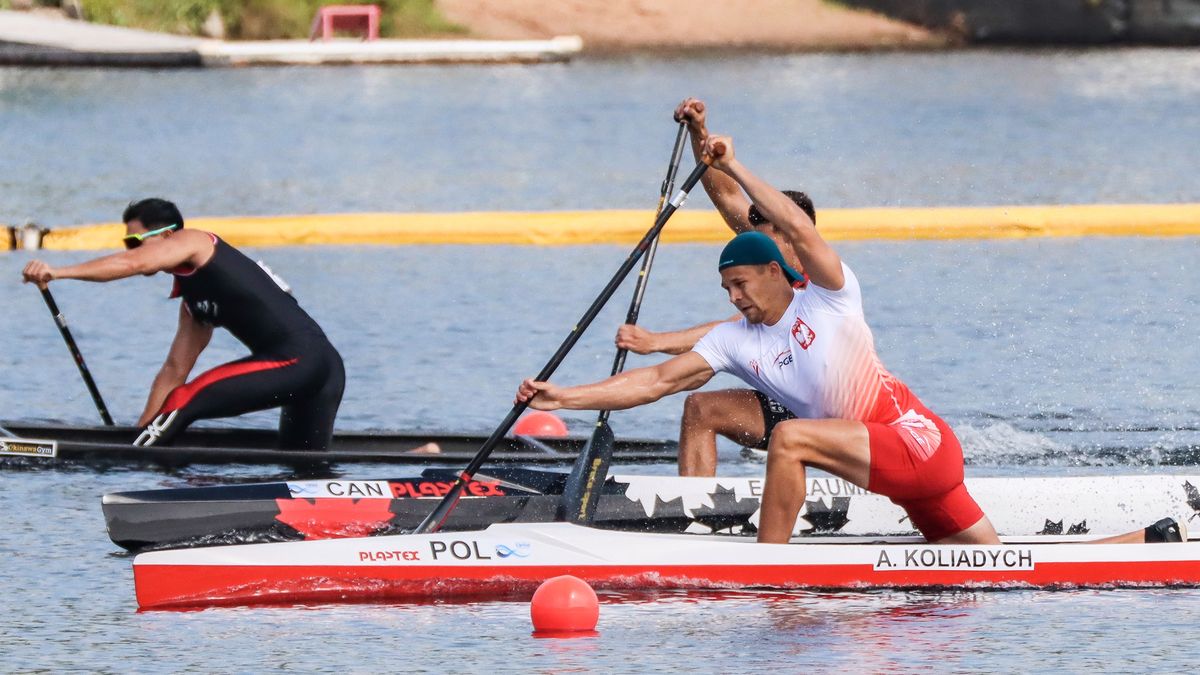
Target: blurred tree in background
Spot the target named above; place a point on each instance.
(259, 19)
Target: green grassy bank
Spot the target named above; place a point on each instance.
(256, 19)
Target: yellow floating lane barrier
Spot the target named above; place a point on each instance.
(1014, 222)
(613, 227)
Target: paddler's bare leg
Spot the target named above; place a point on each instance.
(733, 413)
(841, 447)
(981, 533)
(1138, 537)
(1164, 531)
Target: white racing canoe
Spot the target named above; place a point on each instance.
(512, 558)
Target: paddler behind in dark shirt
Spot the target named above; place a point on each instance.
(291, 366)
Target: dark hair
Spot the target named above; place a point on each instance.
(801, 200)
(153, 213)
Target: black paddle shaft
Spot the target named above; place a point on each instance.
(434, 521)
(581, 492)
(639, 291)
(61, 322)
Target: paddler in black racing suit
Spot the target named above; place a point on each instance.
(291, 366)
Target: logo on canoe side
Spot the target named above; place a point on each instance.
(398, 489)
(22, 447)
(351, 489)
(389, 556)
(518, 550)
(471, 549)
(999, 558)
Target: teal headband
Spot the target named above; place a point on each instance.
(755, 248)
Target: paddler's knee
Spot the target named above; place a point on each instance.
(792, 439)
(721, 410)
(700, 406)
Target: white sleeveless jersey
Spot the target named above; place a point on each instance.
(819, 359)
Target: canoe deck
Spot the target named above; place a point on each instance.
(207, 445)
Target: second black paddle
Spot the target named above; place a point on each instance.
(439, 515)
(586, 480)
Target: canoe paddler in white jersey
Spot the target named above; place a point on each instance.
(811, 351)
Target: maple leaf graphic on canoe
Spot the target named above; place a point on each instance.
(1052, 527)
(1193, 498)
(669, 508)
(827, 518)
(727, 510)
(334, 518)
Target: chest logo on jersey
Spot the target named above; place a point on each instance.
(803, 334)
(784, 358)
(754, 365)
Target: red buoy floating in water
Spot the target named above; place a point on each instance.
(540, 423)
(564, 606)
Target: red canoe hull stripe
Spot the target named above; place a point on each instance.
(164, 586)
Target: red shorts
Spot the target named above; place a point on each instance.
(918, 462)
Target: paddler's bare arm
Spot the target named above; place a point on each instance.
(821, 263)
(186, 247)
(641, 341)
(724, 192)
(191, 337)
(619, 392)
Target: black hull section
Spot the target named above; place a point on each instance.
(112, 445)
(268, 512)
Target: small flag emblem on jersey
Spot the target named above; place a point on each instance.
(803, 334)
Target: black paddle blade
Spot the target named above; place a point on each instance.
(61, 322)
(586, 481)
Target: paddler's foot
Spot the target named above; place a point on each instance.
(1167, 531)
(427, 449)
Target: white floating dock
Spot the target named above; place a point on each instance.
(32, 39)
(304, 52)
(35, 39)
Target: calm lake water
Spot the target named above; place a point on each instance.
(1049, 356)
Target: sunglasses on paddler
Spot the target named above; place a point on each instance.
(133, 241)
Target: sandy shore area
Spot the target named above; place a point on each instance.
(614, 25)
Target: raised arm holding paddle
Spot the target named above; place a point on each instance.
(745, 416)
